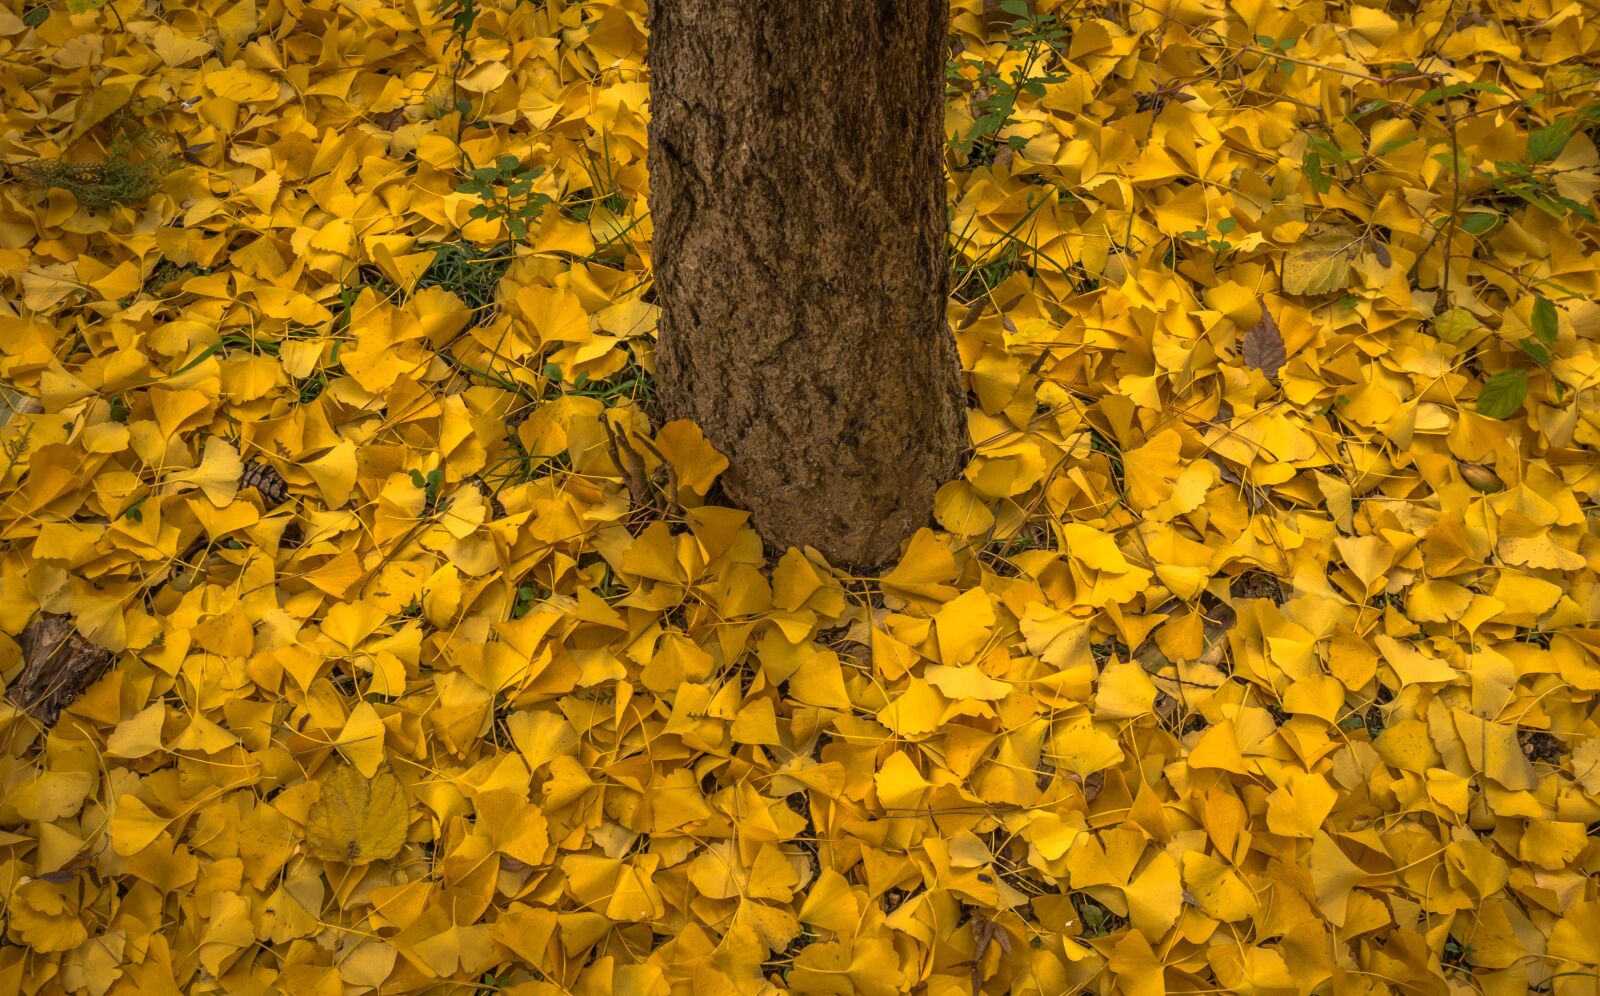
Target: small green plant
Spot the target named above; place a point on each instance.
(507, 195)
(166, 273)
(975, 279)
(604, 191)
(1319, 156)
(1504, 393)
(630, 384)
(1534, 184)
(134, 513)
(527, 595)
(1278, 47)
(14, 445)
(1457, 956)
(1098, 921)
(133, 170)
(1532, 180)
(469, 271)
(1218, 244)
(430, 483)
(463, 14)
(993, 96)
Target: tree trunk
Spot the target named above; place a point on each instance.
(797, 193)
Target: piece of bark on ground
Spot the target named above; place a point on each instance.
(58, 664)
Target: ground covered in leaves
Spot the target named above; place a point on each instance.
(1255, 650)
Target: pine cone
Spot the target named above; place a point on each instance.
(274, 490)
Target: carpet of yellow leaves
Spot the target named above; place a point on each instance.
(1256, 649)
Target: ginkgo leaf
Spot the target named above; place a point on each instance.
(330, 401)
(357, 820)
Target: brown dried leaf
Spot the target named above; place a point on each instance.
(1263, 346)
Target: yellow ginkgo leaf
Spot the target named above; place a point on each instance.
(361, 740)
(694, 460)
(139, 734)
(357, 820)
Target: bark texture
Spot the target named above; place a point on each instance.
(58, 664)
(797, 193)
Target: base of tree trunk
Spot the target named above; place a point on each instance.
(798, 198)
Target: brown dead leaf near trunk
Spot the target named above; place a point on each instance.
(58, 665)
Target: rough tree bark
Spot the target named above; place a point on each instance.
(797, 195)
(58, 664)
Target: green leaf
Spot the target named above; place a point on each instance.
(1575, 207)
(1503, 394)
(1547, 143)
(1540, 354)
(36, 16)
(1311, 166)
(1266, 41)
(1397, 143)
(1543, 203)
(1545, 325)
(1227, 225)
(1365, 108)
(1455, 90)
(1479, 222)
(1323, 147)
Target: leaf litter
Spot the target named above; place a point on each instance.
(437, 667)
